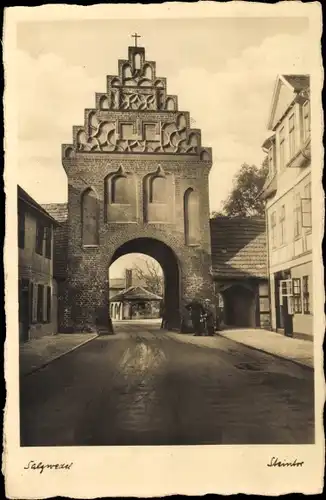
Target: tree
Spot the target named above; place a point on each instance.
(243, 201)
(151, 275)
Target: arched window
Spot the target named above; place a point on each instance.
(90, 217)
(191, 217)
(119, 190)
(137, 61)
(170, 104)
(157, 190)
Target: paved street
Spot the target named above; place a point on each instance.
(142, 387)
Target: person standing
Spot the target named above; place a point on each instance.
(210, 317)
(196, 312)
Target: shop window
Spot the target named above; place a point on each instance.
(297, 304)
(305, 294)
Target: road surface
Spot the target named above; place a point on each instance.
(142, 387)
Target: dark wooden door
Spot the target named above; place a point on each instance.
(287, 318)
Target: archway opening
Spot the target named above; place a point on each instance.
(239, 307)
(150, 265)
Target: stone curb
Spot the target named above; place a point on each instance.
(278, 356)
(43, 365)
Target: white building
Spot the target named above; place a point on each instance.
(287, 192)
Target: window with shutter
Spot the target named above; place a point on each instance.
(48, 242)
(40, 303)
(297, 304)
(48, 303)
(39, 238)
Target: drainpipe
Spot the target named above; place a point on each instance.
(268, 267)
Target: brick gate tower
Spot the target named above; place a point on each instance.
(137, 182)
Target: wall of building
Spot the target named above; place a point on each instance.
(290, 241)
(281, 254)
(88, 265)
(36, 270)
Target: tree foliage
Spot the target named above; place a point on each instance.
(243, 201)
(150, 274)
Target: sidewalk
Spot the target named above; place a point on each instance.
(37, 353)
(295, 350)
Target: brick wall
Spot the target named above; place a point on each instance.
(84, 298)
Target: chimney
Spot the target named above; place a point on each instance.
(128, 278)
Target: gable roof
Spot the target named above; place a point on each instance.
(293, 84)
(135, 293)
(297, 82)
(238, 247)
(24, 197)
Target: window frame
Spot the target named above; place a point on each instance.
(48, 241)
(113, 201)
(282, 225)
(273, 229)
(40, 303)
(297, 300)
(48, 303)
(306, 295)
(297, 216)
(271, 161)
(292, 132)
(39, 241)
(306, 118)
(282, 146)
(150, 194)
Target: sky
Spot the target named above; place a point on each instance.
(222, 69)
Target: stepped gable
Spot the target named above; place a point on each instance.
(239, 247)
(136, 115)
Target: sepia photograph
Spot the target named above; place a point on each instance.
(167, 288)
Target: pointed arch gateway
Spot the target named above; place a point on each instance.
(114, 139)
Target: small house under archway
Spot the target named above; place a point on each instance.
(133, 303)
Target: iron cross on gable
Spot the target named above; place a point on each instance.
(135, 36)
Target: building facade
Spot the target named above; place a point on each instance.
(137, 182)
(239, 270)
(37, 285)
(287, 192)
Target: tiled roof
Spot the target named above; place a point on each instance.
(238, 247)
(28, 200)
(298, 82)
(135, 293)
(59, 211)
(118, 283)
